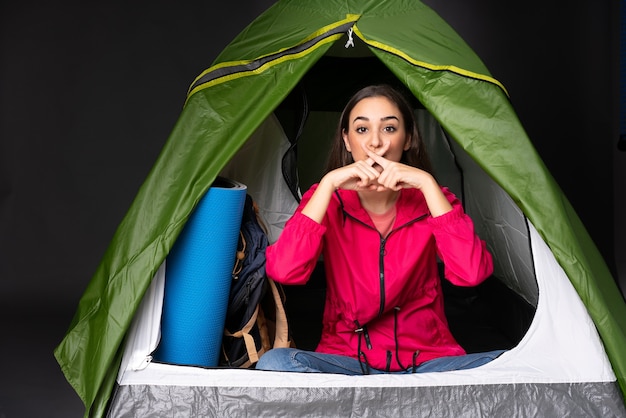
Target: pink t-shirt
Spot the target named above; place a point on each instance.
(384, 221)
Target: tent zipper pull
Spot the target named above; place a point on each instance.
(350, 41)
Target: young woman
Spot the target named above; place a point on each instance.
(380, 220)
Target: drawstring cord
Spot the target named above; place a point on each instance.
(395, 336)
(395, 333)
(414, 362)
(363, 334)
(365, 366)
(362, 331)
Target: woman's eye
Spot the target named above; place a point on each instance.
(361, 129)
(390, 129)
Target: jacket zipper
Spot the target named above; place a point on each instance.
(381, 253)
(381, 261)
(381, 274)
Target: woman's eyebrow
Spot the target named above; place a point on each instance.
(384, 118)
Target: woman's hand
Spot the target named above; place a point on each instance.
(395, 176)
(360, 175)
(376, 173)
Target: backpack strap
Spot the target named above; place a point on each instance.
(253, 355)
(281, 338)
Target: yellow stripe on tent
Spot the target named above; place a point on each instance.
(433, 67)
(282, 58)
(263, 67)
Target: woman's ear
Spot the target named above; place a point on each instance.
(346, 142)
(407, 143)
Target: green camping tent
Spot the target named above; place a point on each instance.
(248, 81)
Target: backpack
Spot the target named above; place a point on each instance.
(255, 319)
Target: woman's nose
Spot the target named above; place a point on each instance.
(375, 141)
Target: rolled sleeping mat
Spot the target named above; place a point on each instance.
(198, 273)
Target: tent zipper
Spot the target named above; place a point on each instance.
(227, 70)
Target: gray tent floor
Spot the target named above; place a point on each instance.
(482, 318)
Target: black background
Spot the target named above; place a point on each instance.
(90, 92)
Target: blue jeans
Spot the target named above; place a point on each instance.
(295, 360)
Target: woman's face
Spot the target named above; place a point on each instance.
(376, 123)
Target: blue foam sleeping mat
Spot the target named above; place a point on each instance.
(198, 277)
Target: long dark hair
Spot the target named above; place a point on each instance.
(415, 156)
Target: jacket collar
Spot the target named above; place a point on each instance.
(410, 205)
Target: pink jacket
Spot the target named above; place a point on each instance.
(384, 301)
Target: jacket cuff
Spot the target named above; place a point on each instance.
(306, 225)
(447, 218)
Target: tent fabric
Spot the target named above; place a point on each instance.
(538, 399)
(428, 57)
(265, 148)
